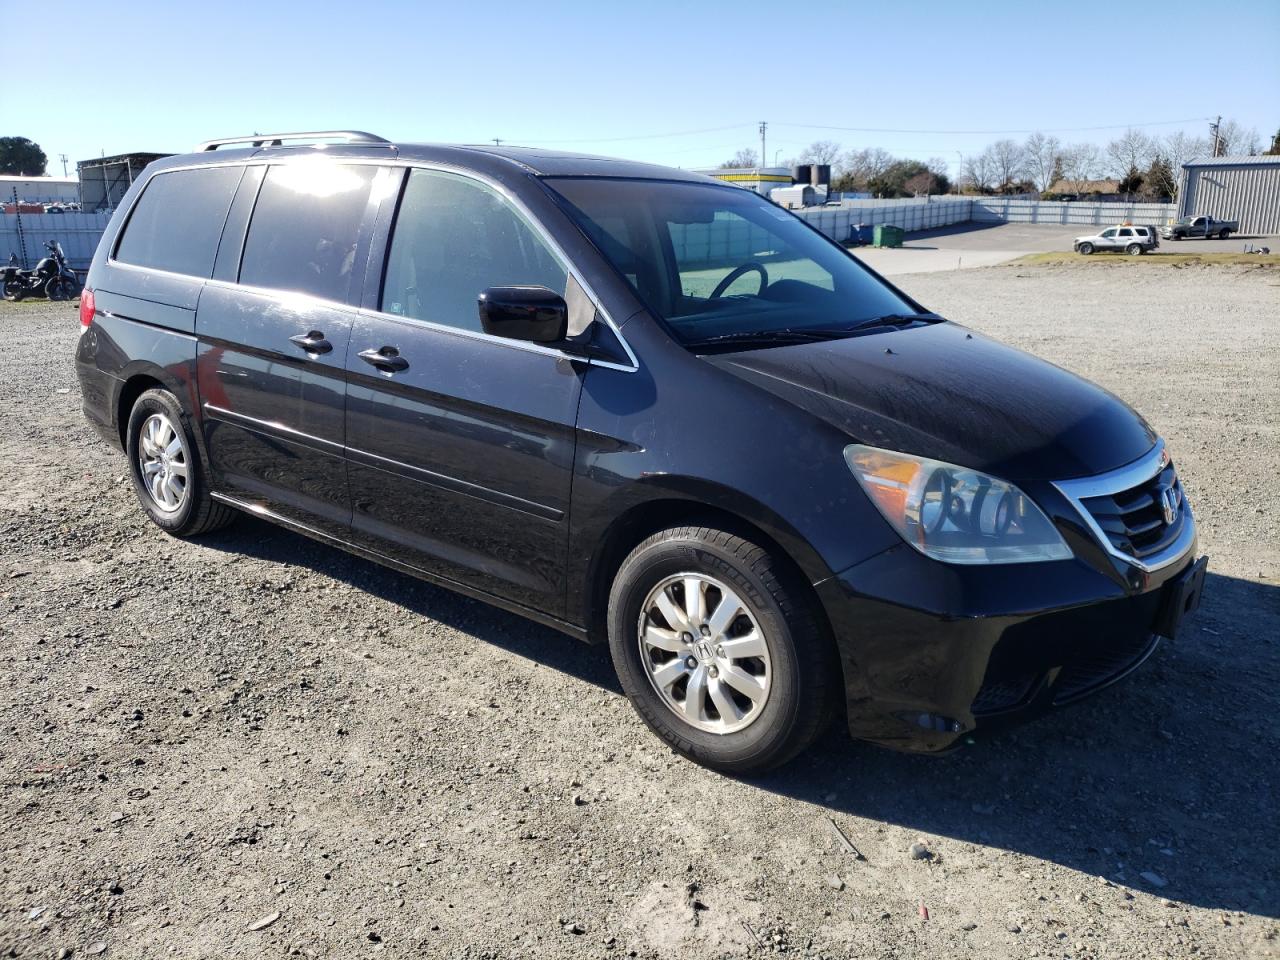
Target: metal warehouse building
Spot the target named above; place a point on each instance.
(1233, 188)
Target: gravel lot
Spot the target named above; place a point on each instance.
(258, 746)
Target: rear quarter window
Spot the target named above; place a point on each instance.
(178, 220)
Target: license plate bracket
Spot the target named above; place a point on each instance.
(1182, 598)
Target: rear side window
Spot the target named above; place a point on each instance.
(176, 223)
(305, 226)
(453, 238)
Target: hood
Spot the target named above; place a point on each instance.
(945, 392)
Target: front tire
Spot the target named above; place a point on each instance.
(1086, 249)
(719, 650)
(62, 288)
(168, 476)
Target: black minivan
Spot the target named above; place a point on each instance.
(646, 408)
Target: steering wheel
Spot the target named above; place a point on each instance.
(737, 272)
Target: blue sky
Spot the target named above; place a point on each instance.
(637, 79)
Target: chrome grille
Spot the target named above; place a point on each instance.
(1135, 521)
(1139, 512)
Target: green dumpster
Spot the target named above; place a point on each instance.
(887, 235)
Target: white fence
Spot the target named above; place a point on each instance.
(77, 232)
(924, 213)
(998, 210)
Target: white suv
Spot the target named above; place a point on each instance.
(1132, 240)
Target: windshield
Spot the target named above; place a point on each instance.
(721, 262)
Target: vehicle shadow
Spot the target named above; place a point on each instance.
(1171, 773)
(254, 537)
(1170, 777)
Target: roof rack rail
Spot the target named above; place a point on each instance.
(277, 139)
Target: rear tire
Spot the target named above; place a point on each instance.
(1224, 234)
(15, 291)
(1134, 249)
(168, 476)
(1085, 249)
(773, 648)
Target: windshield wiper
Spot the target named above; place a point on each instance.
(811, 334)
(783, 335)
(897, 320)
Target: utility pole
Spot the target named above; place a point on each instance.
(63, 158)
(763, 153)
(497, 141)
(1213, 127)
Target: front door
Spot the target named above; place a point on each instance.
(274, 326)
(461, 445)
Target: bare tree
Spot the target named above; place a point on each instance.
(1132, 149)
(1235, 140)
(922, 184)
(1042, 153)
(1081, 163)
(860, 167)
(1179, 148)
(978, 171)
(746, 157)
(820, 151)
(1007, 160)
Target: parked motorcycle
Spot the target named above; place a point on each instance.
(52, 277)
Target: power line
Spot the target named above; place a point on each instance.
(1110, 126)
(818, 126)
(644, 136)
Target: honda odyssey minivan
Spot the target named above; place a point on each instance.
(646, 408)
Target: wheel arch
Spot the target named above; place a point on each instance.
(668, 507)
(140, 376)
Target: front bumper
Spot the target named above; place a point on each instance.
(934, 652)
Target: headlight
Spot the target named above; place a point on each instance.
(952, 513)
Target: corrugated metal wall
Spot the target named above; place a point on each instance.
(1250, 194)
(998, 210)
(77, 232)
(921, 214)
(910, 214)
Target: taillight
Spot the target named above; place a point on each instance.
(86, 307)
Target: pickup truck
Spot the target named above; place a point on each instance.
(1205, 227)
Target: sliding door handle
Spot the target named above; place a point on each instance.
(386, 359)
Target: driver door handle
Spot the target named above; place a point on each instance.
(312, 342)
(386, 359)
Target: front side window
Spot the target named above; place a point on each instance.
(453, 238)
(1109, 233)
(178, 220)
(719, 262)
(304, 229)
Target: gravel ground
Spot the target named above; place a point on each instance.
(258, 746)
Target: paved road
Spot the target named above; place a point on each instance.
(984, 245)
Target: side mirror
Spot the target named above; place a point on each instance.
(524, 313)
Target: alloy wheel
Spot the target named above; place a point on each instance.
(163, 461)
(704, 653)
